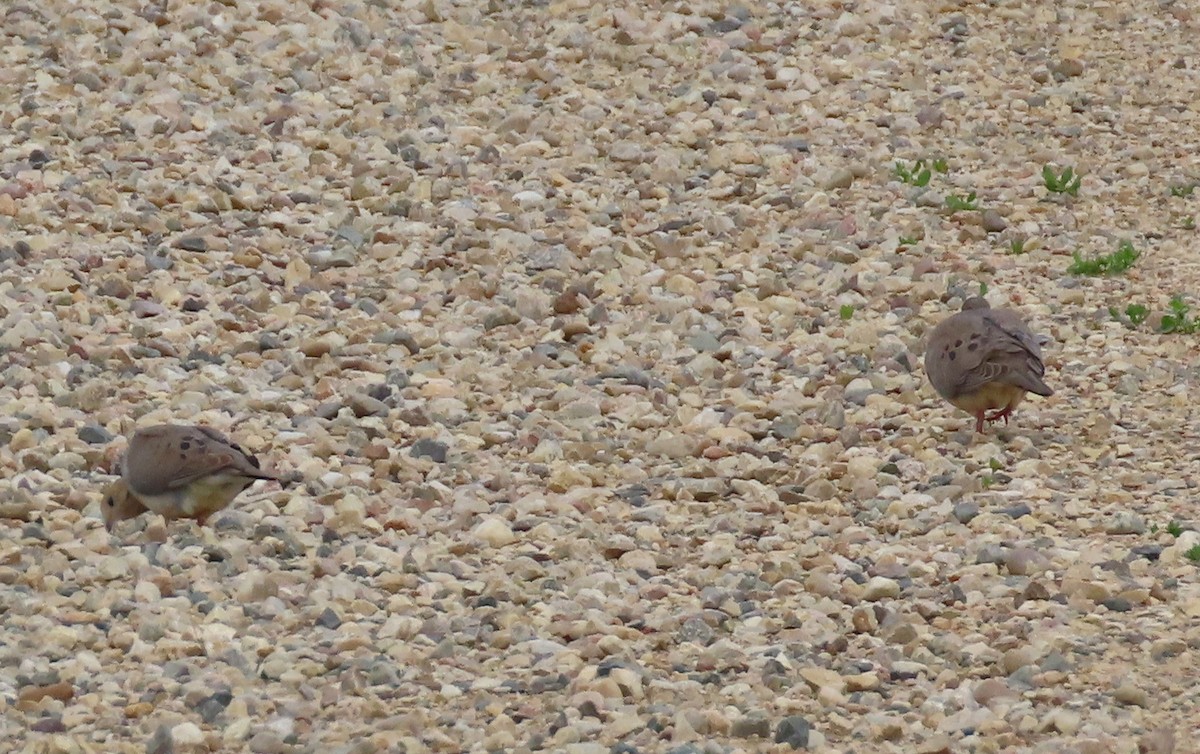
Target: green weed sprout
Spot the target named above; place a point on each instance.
(1065, 182)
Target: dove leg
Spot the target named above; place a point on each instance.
(1001, 414)
(979, 420)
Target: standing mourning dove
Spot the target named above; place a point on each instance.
(179, 472)
(984, 359)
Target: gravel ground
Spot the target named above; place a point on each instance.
(592, 334)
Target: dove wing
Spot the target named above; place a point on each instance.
(168, 457)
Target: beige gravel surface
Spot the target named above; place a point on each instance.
(592, 334)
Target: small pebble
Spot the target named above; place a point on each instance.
(1131, 695)
(880, 588)
(793, 731)
(993, 222)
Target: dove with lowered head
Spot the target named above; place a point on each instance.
(179, 472)
(983, 359)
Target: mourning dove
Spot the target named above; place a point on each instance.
(179, 472)
(983, 359)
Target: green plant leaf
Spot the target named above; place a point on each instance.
(1108, 264)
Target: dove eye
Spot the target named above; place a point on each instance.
(109, 501)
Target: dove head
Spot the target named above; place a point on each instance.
(975, 302)
(119, 504)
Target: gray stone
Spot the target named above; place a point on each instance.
(434, 450)
(751, 727)
(993, 222)
(160, 742)
(94, 434)
(964, 512)
(329, 619)
(793, 731)
(191, 243)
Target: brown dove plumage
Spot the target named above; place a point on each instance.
(983, 359)
(179, 472)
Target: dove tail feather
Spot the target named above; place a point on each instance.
(1032, 382)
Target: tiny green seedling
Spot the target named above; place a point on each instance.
(1017, 246)
(846, 311)
(1193, 553)
(994, 465)
(1134, 315)
(956, 203)
(1175, 529)
(1183, 189)
(983, 289)
(1178, 321)
(1065, 182)
(1106, 264)
(1189, 223)
(919, 173)
(908, 241)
